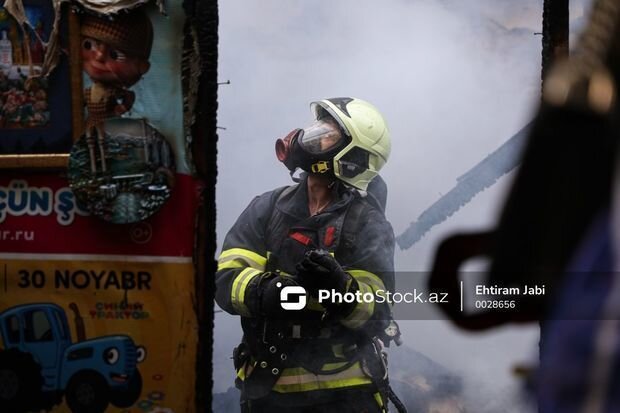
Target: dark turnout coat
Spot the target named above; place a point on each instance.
(311, 353)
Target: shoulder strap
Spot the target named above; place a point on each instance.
(273, 229)
(281, 193)
(351, 225)
(285, 191)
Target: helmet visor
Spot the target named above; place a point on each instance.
(321, 136)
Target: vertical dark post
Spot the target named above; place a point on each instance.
(555, 33)
(204, 19)
(554, 48)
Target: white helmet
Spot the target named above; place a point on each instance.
(348, 139)
(369, 148)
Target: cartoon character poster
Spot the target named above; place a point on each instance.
(94, 335)
(94, 316)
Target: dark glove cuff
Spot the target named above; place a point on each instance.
(268, 290)
(254, 294)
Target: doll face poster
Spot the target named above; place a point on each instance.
(455, 82)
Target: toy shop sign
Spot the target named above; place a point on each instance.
(17, 199)
(40, 214)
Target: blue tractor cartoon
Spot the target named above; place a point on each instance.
(39, 364)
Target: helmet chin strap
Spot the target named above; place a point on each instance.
(303, 174)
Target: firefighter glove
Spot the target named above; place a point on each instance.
(320, 270)
(270, 288)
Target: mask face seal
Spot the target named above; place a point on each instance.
(313, 148)
(284, 148)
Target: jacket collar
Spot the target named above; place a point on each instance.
(295, 202)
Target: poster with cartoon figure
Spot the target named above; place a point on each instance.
(96, 335)
(42, 363)
(120, 169)
(98, 317)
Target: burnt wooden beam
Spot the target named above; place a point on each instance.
(204, 21)
(554, 33)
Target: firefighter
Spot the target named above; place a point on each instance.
(328, 232)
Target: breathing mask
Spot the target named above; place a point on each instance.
(313, 148)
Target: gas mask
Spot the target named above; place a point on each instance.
(313, 148)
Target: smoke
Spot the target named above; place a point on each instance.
(454, 80)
